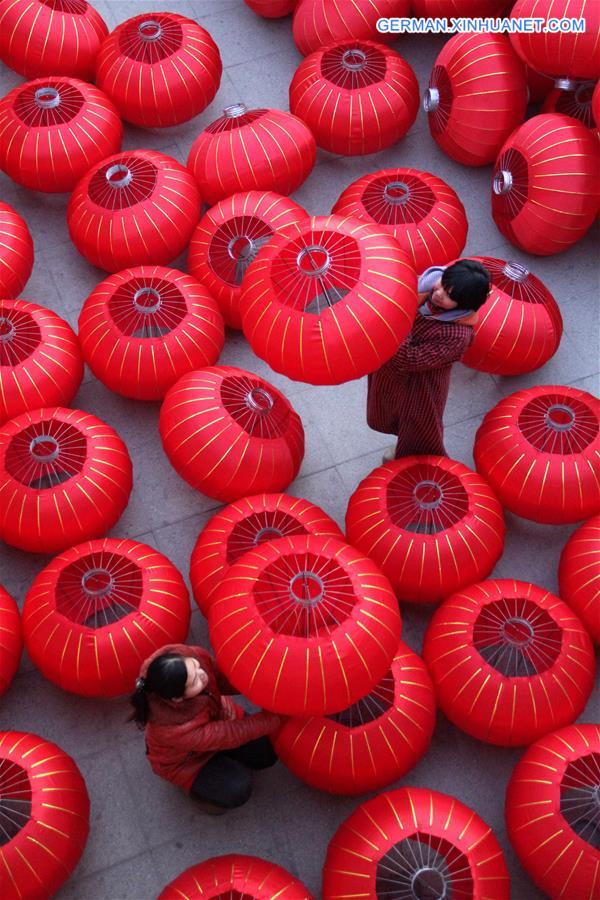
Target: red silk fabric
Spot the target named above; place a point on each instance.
(40, 359)
(579, 575)
(560, 54)
(272, 9)
(318, 625)
(539, 449)
(16, 252)
(509, 661)
(143, 328)
(318, 23)
(11, 640)
(235, 875)
(459, 9)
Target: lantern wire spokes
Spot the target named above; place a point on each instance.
(368, 708)
(259, 412)
(99, 589)
(255, 529)
(235, 245)
(19, 336)
(517, 637)
(304, 595)
(578, 103)
(580, 797)
(15, 800)
(152, 39)
(147, 307)
(46, 454)
(438, 99)
(398, 201)
(423, 867)
(126, 181)
(47, 105)
(558, 424)
(426, 500)
(76, 7)
(353, 66)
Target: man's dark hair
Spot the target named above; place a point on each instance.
(468, 283)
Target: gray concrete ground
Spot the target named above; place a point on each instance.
(144, 832)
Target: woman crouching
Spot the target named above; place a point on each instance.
(196, 736)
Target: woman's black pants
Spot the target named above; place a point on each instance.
(226, 779)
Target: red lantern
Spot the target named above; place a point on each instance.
(414, 842)
(159, 69)
(573, 99)
(135, 208)
(519, 326)
(252, 149)
(98, 610)
(45, 812)
(371, 743)
(356, 97)
(40, 359)
(318, 23)
(328, 300)
(477, 96)
(420, 210)
(304, 625)
(244, 525)
(53, 131)
(235, 875)
(544, 199)
(272, 9)
(579, 575)
(142, 329)
(65, 477)
(16, 252)
(435, 9)
(11, 642)
(432, 525)
(552, 812)
(539, 450)
(229, 433)
(227, 239)
(50, 37)
(509, 661)
(560, 53)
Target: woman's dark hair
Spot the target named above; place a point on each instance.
(166, 676)
(468, 283)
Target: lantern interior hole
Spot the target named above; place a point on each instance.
(580, 797)
(124, 183)
(260, 412)
(15, 800)
(424, 499)
(353, 66)
(147, 307)
(404, 201)
(234, 895)
(99, 589)
(48, 105)
(437, 100)
(558, 424)
(235, 116)
(148, 41)
(46, 454)
(516, 637)
(259, 527)
(235, 245)
(423, 867)
(19, 336)
(369, 708)
(510, 183)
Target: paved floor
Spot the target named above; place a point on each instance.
(143, 831)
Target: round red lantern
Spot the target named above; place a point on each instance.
(16, 252)
(420, 210)
(142, 329)
(65, 476)
(100, 608)
(235, 875)
(159, 69)
(539, 450)
(356, 97)
(40, 359)
(579, 575)
(244, 525)
(371, 743)
(477, 96)
(519, 326)
(227, 239)
(318, 23)
(544, 201)
(252, 149)
(328, 300)
(559, 52)
(44, 812)
(414, 842)
(573, 99)
(54, 130)
(431, 524)
(230, 433)
(552, 811)
(11, 642)
(304, 625)
(461, 9)
(272, 9)
(135, 208)
(509, 661)
(50, 37)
